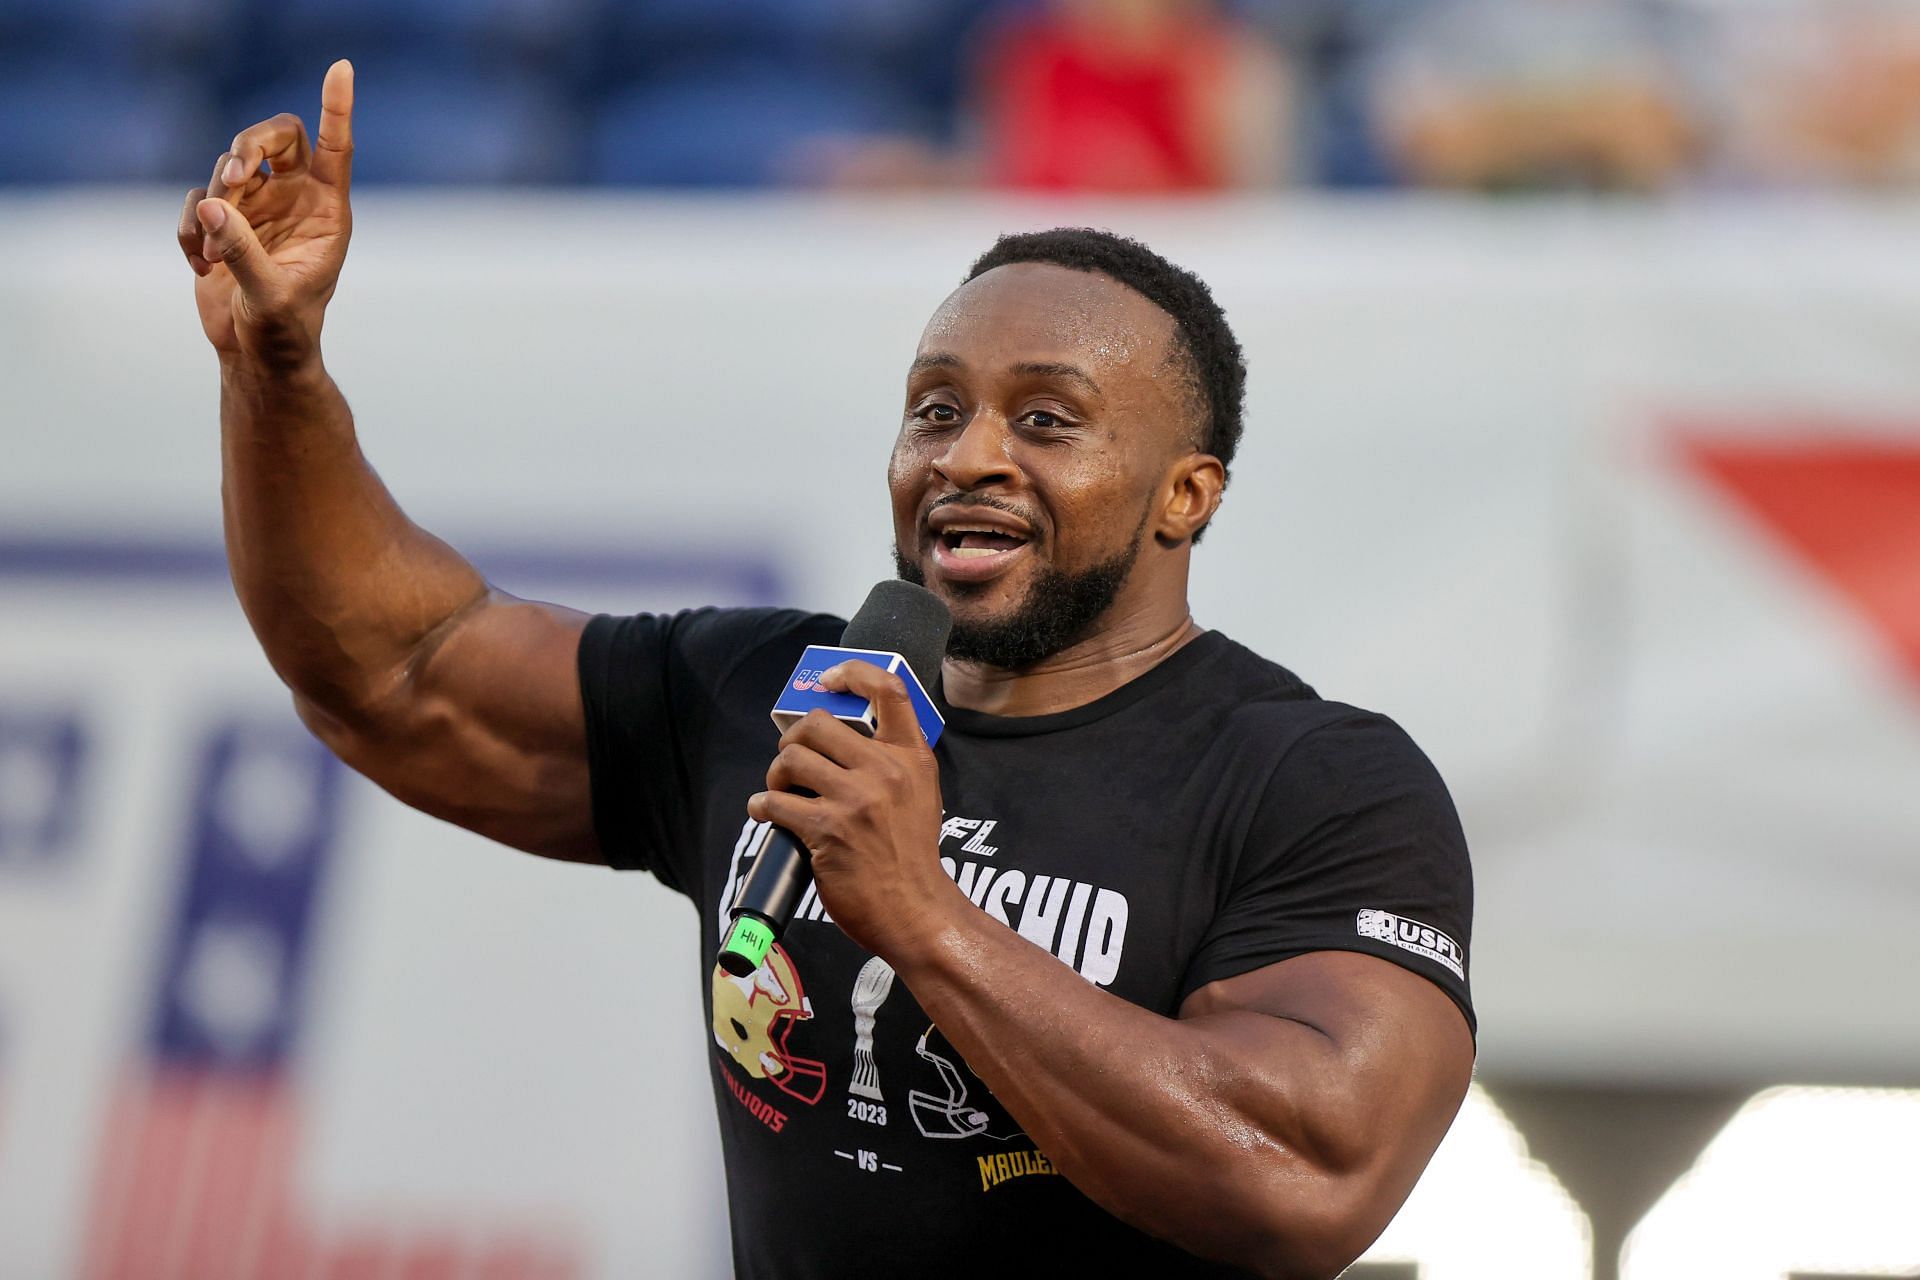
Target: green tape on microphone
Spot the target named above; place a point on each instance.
(746, 946)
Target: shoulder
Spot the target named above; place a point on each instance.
(1229, 669)
(746, 632)
(712, 646)
(1301, 738)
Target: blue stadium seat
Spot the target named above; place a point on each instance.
(731, 124)
(74, 122)
(438, 125)
(887, 28)
(663, 31)
(438, 30)
(137, 33)
(660, 32)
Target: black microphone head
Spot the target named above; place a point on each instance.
(902, 618)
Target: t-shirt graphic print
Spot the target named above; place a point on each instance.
(1208, 818)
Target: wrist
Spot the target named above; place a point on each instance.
(936, 934)
(252, 376)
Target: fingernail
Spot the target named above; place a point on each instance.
(236, 172)
(213, 215)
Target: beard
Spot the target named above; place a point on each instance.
(1058, 610)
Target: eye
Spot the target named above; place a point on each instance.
(1044, 420)
(938, 413)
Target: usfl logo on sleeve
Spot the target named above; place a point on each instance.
(1411, 935)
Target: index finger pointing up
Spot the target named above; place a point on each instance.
(333, 150)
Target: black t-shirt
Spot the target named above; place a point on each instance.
(1210, 817)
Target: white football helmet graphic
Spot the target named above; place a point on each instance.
(946, 1115)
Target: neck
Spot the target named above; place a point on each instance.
(1110, 657)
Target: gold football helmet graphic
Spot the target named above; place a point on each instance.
(753, 1018)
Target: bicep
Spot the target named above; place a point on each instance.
(485, 728)
(1391, 1058)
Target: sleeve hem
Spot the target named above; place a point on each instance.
(1232, 967)
(593, 658)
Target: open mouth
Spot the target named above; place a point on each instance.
(963, 543)
(966, 552)
(975, 542)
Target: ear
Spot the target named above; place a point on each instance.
(1188, 498)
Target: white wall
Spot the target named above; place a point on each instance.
(1687, 763)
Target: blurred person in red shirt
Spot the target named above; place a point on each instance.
(1136, 96)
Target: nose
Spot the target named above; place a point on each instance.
(980, 455)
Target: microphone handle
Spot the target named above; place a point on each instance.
(766, 901)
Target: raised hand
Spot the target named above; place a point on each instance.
(267, 247)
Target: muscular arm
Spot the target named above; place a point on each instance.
(459, 699)
(1277, 1123)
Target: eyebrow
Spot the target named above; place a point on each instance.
(1049, 369)
(938, 360)
(1025, 369)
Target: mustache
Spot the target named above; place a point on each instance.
(987, 500)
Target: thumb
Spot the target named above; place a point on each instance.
(230, 239)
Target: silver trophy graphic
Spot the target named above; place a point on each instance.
(870, 991)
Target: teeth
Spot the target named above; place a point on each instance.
(974, 553)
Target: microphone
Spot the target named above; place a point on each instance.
(902, 628)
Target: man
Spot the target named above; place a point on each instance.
(1156, 969)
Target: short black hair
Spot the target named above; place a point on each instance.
(1215, 367)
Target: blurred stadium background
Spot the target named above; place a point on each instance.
(1584, 439)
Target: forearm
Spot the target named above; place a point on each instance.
(340, 587)
(1209, 1132)
(1277, 1123)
